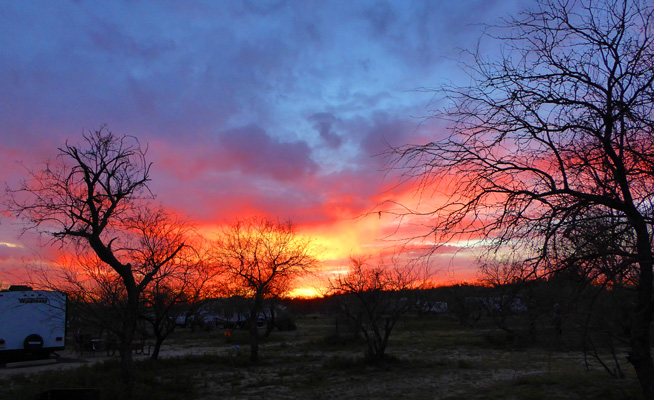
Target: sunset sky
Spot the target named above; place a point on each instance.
(277, 108)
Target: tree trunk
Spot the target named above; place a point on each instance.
(159, 339)
(640, 355)
(127, 366)
(270, 323)
(161, 328)
(254, 330)
(126, 342)
(254, 340)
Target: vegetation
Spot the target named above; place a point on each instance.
(549, 156)
(93, 200)
(259, 258)
(125, 259)
(374, 298)
(430, 356)
(551, 152)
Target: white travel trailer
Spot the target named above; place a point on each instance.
(31, 321)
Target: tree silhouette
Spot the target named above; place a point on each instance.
(557, 131)
(93, 198)
(259, 258)
(375, 298)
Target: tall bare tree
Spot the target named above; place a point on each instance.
(558, 127)
(91, 197)
(260, 258)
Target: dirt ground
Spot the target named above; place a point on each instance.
(71, 358)
(436, 360)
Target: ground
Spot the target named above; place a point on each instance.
(431, 357)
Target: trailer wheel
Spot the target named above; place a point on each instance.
(33, 343)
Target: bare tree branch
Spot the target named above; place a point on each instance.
(556, 133)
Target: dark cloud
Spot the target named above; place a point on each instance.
(324, 124)
(381, 17)
(110, 38)
(253, 151)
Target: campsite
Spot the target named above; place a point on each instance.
(430, 356)
(273, 199)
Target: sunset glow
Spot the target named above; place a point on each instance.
(272, 108)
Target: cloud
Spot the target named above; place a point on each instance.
(9, 251)
(251, 150)
(265, 106)
(324, 124)
(264, 7)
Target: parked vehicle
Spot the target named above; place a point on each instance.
(32, 322)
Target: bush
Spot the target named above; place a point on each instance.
(285, 321)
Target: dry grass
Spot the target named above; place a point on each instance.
(431, 358)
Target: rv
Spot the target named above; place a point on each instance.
(32, 322)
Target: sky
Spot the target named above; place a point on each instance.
(272, 107)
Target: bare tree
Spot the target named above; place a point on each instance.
(508, 281)
(374, 298)
(100, 297)
(91, 198)
(96, 294)
(180, 285)
(169, 248)
(560, 126)
(260, 258)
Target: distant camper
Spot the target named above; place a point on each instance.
(32, 322)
